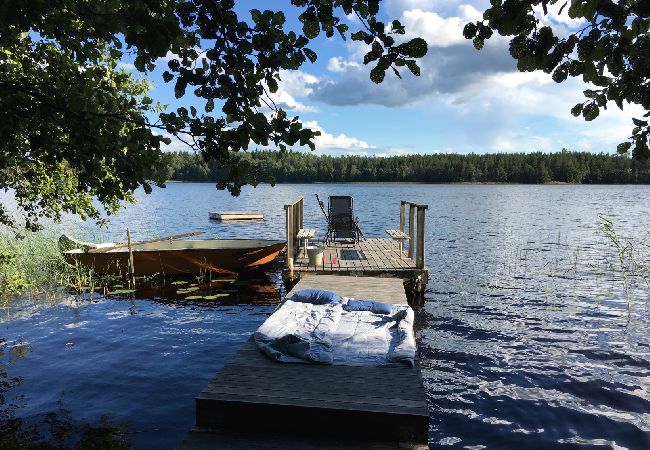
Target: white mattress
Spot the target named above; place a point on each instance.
(328, 334)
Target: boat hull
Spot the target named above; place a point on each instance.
(179, 261)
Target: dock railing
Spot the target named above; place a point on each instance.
(416, 229)
(294, 212)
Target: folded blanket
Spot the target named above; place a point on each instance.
(299, 332)
(405, 348)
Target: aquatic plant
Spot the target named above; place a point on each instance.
(628, 253)
(33, 264)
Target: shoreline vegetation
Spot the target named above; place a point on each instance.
(562, 167)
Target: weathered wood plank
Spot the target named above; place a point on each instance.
(390, 290)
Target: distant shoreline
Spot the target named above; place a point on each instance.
(478, 183)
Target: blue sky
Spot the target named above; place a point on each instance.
(464, 101)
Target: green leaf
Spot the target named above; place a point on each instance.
(377, 75)
(413, 67)
(272, 84)
(121, 291)
(469, 31)
(215, 296)
(311, 28)
(256, 15)
(590, 112)
(417, 48)
(310, 54)
(478, 42)
(623, 147)
(577, 110)
(209, 106)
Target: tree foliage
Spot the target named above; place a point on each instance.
(610, 50)
(76, 127)
(528, 168)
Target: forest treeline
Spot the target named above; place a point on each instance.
(529, 168)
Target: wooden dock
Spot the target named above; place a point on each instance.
(257, 403)
(377, 257)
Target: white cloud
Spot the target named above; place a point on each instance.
(338, 64)
(511, 141)
(292, 84)
(554, 18)
(328, 142)
(128, 67)
(394, 151)
(174, 146)
(437, 30)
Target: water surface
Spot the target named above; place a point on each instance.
(532, 334)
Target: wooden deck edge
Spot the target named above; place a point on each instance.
(306, 421)
(208, 438)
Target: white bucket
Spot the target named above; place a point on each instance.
(315, 254)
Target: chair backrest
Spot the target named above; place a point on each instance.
(341, 216)
(340, 205)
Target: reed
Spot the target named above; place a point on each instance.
(32, 264)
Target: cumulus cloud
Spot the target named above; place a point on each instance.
(294, 84)
(450, 66)
(445, 8)
(338, 64)
(439, 31)
(444, 70)
(328, 142)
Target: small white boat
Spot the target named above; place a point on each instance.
(237, 215)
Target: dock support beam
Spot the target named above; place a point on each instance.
(294, 213)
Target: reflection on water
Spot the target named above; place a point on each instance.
(533, 334)
(116, 368)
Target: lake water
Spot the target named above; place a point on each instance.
(532, 335)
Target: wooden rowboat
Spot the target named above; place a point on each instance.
(176, 257)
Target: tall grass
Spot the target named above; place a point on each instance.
(34, 265)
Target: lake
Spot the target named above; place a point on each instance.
(535, 332)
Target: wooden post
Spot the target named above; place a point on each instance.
(411, 229)
(296, 225)
(401, 216)
(289, 211)
(131, 267)
(419, 261)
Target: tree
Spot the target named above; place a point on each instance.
(76, 127)
(611, 50)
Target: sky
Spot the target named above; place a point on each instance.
(465, 101)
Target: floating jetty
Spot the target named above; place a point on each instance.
(236, 215)
(255, 402)
(377, 257)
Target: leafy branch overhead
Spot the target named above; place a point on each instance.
(77, 127)
(610, 49)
